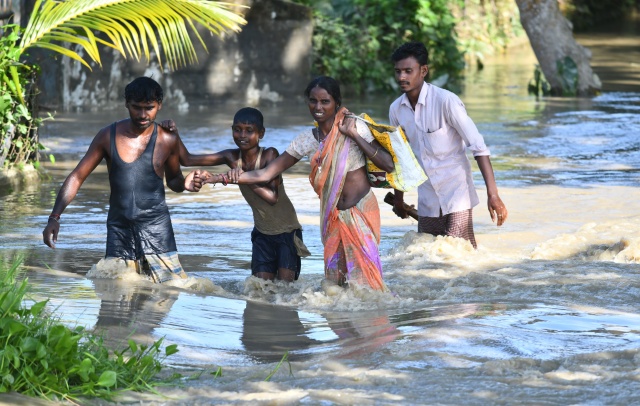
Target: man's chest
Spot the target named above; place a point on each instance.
(130, 149)
(421, 120)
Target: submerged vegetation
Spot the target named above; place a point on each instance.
(40, 356)
(285, 358)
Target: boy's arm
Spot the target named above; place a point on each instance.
(268, 191)
(172, 172)
(189, 159)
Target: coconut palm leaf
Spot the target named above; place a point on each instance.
(133, 27)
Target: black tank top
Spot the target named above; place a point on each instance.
(138, 221)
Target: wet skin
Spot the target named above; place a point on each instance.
(323, 108)
(132, 136)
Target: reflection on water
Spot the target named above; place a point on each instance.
(131, 312)
(269, 331)
(544, 312)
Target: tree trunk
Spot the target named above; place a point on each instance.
(552, 41)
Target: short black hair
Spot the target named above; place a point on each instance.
(414, 49)
(249, 115)
(327, 83)
(143, 89)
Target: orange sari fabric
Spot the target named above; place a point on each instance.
(351, 236)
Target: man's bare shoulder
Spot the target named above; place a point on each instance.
(103, 136)
(106, 130)
(167, 138)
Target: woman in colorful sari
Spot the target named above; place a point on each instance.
(349, 212)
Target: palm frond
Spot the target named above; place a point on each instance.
(133, 27)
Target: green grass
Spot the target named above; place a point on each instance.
(285, 358)
(39, 356)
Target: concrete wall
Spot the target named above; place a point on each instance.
(270, 60)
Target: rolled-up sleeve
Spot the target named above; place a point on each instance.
(459, 119)
(304, 144)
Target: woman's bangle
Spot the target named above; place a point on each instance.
(224, 180)
(57, 219)
(377, 149)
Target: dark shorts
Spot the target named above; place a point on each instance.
(272, 252)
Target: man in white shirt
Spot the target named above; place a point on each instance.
(439, 131)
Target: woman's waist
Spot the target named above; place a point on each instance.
(356, 186)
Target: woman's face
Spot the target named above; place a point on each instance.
(322, 106)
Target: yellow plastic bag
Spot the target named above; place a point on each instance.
(408, 173)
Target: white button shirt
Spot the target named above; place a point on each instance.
(439, 131)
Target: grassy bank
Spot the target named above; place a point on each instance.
(41, 357)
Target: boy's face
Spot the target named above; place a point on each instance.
(410, 74)
(246, 135)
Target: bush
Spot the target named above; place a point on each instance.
(353, 39)
(19, 119)
(39, 356)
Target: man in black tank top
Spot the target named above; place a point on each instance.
(139, 154)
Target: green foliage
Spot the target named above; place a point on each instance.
(436, 28)
(568, 72)
(18, 118)
(354, 39)
(216, 374)
(134, 28)
(131, 27)
(348, 54)
(538, 86)
(285, 358)
(41, 357)
(485, 27)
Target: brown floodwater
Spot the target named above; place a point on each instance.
(544, 312)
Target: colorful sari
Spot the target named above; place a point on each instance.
(351, 236)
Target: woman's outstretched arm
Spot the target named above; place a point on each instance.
(266, 174)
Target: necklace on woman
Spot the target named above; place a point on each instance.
(320, 146)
